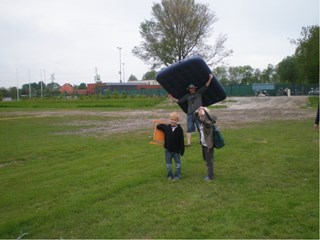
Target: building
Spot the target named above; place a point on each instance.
(96, 88)
(102, 88)
(67, 89)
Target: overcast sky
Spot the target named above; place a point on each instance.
(73, 37)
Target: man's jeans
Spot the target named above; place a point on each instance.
(192, 123)
(176, 157)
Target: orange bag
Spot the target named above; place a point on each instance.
(158, 135)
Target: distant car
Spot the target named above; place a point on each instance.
(314, 91)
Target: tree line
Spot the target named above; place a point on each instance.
(302, 67)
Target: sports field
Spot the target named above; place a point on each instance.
(87, 170)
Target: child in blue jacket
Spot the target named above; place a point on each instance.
(173, 144)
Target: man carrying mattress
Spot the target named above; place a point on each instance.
(194, 100)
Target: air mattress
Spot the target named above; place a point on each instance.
(176, 78)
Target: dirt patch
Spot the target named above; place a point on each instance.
(266, 102)
(238, 112)
(242, 110)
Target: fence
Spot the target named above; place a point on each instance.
(270, 89)
(239, 90)
(144, 92)
(231, 90)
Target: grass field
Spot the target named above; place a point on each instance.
(119, 103)
(57, 185)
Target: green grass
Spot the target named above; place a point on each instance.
(101, 186)
(108, 103)
(105, 104)
(313, 101)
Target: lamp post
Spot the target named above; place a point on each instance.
(124, 79)
(29, 85)
(120, 63)
(41, 82)
(17, 84)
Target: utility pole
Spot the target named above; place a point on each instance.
(120, 63)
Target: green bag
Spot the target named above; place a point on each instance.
(216, 134)
(217, 137)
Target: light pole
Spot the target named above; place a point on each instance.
(120, 63)
(17, 84)
(44, 79)
(29, 85)
(124, 79)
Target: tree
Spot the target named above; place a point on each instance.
(97, 78)
(177, 30)
(237, 75)
(268, 75)
(221, 73)
(307, 54)
(247, 74)
(82, 86)
(287, 70)
(132, 78)
(4, 93)
(241, 74)
(151, 75)
(12, 92)
(256, 76)
(52, 77)
(52, 89)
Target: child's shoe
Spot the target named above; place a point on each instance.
(206, 178)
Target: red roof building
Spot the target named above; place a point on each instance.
(67, 89)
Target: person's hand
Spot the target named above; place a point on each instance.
(174, 99)
(209, 80)
(200, 111)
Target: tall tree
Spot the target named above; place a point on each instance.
(151, 75)
(307, 54)
(268, 75)
(97, 77)
(235, 75)
(178, 29)
(221, 73)
(132, 78)
(287, 70)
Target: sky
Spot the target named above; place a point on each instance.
(73, 38)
